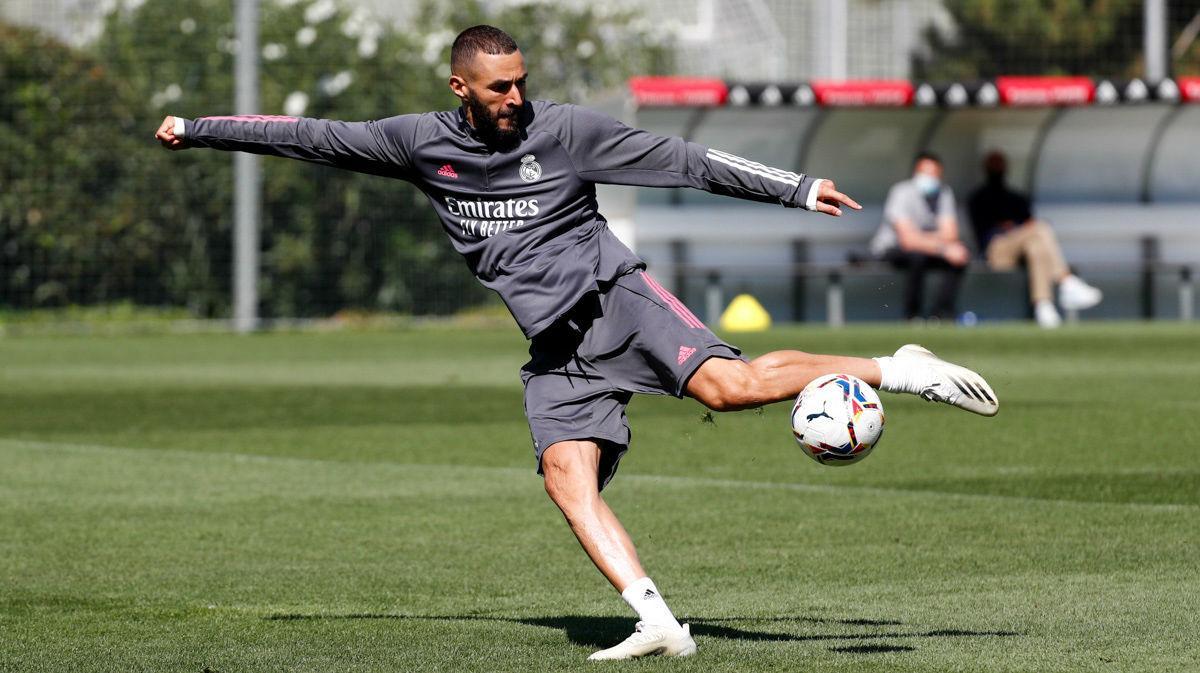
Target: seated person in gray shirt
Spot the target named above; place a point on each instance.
(919, 233)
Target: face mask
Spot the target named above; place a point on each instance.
(927, 183)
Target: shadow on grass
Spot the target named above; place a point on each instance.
(872, 649)
(595, 632)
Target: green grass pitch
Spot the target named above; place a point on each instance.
(367, 502)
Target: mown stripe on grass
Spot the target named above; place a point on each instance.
(659, 480)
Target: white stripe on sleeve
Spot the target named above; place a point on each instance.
(793, 181)
(755, 165)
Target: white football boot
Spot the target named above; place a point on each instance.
(949, 383)
(650, 639)
(1076, 295)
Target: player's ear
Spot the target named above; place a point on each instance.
(459, 86)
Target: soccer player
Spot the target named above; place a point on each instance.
(513, 182)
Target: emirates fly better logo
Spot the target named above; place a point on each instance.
(480, 218)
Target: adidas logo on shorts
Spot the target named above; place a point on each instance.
(685, 352)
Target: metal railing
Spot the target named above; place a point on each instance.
(835, 275)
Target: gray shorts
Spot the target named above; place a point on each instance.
(631, 337)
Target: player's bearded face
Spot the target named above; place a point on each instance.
(493, 91)
(502, 124)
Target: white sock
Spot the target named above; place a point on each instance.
(645, 600)
(898, 376)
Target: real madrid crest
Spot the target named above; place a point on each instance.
(530, 169)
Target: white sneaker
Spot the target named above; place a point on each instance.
(650, 639)
(1076, 295)
(1046, 315)
(949, 383)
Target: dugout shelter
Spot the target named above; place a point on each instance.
(1114, 166)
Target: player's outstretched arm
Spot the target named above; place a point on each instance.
(607, 151)
(378, 147)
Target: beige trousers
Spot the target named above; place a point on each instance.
(1036, 244)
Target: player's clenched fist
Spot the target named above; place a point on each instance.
(166, 135)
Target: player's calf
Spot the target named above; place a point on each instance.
(730, 385)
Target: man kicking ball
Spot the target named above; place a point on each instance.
(513, 182)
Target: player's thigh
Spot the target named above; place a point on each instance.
(571, 466)
(662, 344)
(572, 456)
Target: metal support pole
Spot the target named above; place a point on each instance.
(1154, 36)
(799, 285)
(835, 301)
(1150, 258)
(247, 176)
(830, 39)
(713, 299)
(679, 260)
(1187, 294)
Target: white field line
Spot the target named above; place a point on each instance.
(639, 478)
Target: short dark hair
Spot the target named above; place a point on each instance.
(995, 163)
(926, 154)
(481, 38)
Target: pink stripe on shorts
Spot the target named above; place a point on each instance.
(671, 301)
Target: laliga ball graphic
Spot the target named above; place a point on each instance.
(837, 419)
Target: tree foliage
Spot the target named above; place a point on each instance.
(91, 210)
(73, 227)
(1099, 38)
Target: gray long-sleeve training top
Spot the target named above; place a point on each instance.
(525, 217)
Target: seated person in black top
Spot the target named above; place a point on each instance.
(1008, 232)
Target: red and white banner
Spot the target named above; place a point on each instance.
(682, 91)
(1045, 90)
(863, 93)
(1008, 91)
(1189, 88)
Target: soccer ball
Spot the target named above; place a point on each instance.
(837, 419)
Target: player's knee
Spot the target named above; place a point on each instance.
(574, 499)
(561, 490)
(555, 470)
(556, 488)
(565, 476)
